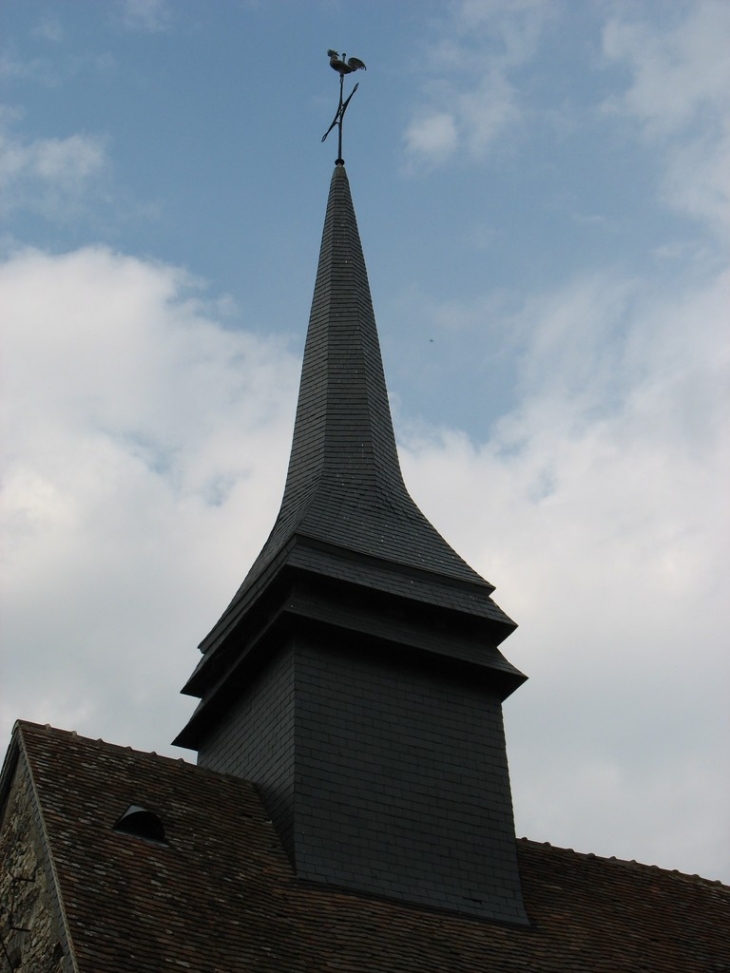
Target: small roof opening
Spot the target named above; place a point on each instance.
(141, 823)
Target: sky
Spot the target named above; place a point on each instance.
(543, 194)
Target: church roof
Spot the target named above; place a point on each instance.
(219, 893)
(346, 512)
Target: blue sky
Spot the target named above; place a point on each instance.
(543, 193)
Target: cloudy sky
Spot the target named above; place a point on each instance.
(543, 192)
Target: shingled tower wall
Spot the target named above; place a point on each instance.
(356, 675)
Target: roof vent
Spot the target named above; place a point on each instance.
(141, 823)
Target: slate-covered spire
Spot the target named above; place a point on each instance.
(344, 493)
(344, 485)
(346, 513)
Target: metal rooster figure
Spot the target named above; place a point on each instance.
(343, 65)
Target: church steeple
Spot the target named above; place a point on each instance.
(344, 485)
(344, 493)
(355, 596)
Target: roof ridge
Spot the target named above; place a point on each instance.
(100, 744)
(625, 862)
(55, 888)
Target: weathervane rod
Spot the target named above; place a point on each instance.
(343, 66)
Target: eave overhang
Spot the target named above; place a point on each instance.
(343, 608)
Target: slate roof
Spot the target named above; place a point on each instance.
(344, 490)
(221, 897)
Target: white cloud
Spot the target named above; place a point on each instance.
(42, 70)
(434, 136)
(680, 94)
(49, 175)
(49, 28)
(51, 72)
(678, 71)
(517, 23)
(146, 15)
(698, 178)
(144, 453)
(66, 161)
(469, 99)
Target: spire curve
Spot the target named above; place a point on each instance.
(344, 486)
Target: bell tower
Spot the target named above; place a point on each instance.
(356, 675)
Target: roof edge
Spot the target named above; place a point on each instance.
(622, 862)
(10, 762)
(18, 743)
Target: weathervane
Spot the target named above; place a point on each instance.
(343, 65)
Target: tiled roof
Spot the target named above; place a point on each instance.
(221, 897)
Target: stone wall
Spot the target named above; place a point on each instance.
(29, 929)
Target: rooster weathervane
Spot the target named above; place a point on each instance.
(343, 65)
